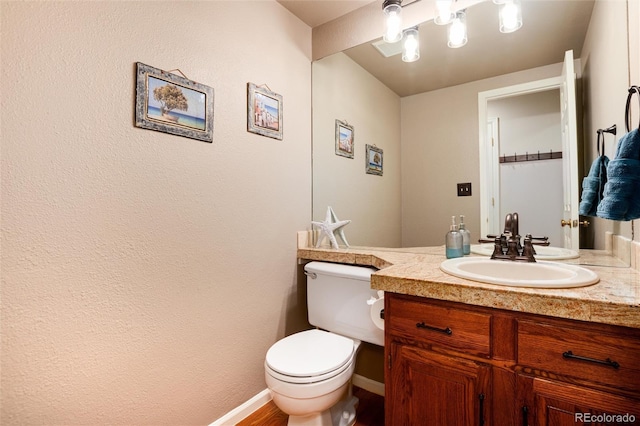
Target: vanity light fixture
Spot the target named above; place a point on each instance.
(458, 30)
(444, 14)
(510, 16)
(411, 45)
(392, 10)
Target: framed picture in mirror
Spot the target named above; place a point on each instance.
(374, 160)
(264, 115)
(344, 139)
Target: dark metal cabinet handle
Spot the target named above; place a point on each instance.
(481, 419)
(608, 362)
(439, 330)
(525, 416)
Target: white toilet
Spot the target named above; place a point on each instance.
(309, 373)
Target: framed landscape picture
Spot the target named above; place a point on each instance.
(168, 103)
(264, 112)
(344, 139)
(374, 160)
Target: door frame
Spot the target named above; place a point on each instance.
(489, 165)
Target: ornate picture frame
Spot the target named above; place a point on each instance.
(344, 139)
(264, 111)
(374, 158)
(161, 94)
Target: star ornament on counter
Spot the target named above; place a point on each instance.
(339, 231)
(329, 227)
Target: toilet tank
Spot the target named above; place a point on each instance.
(337, 300)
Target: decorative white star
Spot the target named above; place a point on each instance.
(339, 231)
(329, 226)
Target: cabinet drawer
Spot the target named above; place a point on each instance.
(607, 359)
(450, 328)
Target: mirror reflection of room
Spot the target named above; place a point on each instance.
(425, 115)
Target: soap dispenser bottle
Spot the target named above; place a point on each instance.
(466, 237)
(453, 241)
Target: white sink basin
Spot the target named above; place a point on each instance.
(520, 274)
(542, 252)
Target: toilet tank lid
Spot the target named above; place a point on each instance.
(340, 270)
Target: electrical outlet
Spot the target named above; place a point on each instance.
(464, 189)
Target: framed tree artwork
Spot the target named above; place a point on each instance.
(169, 103)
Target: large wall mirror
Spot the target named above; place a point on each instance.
(424, 117)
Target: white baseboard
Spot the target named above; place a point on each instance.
(368, 384)
(241, 412)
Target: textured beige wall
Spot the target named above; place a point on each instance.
(606, 77)
(440, 149)
(345, 91)
(633, 9)
(145, 275)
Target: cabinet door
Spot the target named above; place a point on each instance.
(559, 404)
(432, 389)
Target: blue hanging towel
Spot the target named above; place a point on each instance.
(593, 186)
(621, 200)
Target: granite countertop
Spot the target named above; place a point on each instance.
(615, 299)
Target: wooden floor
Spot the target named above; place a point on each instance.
(370, 412)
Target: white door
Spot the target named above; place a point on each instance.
(492, 182)
(567, 86)
(570, 153)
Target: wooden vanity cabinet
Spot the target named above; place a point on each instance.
(429, 388)
(571, 370)
(456, 364)
(555, 403)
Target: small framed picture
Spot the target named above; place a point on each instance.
(344, 139)
(264, 112)
(168, 103)
(374, 160)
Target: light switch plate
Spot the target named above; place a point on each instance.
(464, 189)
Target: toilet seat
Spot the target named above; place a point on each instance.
(307, 379)
(309, 356)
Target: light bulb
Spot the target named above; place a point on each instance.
(392, 23)
(510, 16)
(444, 15)
(458, 31)
(411, 46)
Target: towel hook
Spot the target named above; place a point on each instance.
(627, 110)
(601, 132)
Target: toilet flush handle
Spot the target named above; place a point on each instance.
(313, 275)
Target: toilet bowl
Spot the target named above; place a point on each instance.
(309, 373)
